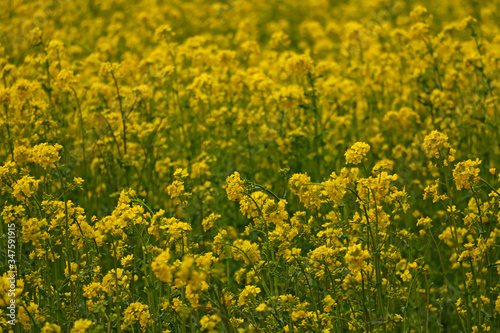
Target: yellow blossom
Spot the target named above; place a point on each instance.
(245, 295)
(466, 174)
(25, 187)
(81, 326)
(234, 187)
(161, 269)
(356, 153)
(137, 313)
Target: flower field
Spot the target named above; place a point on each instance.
(249, 166)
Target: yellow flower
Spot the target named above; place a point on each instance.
(246, 293)
(419, 30)
(127, 261)
(45, 154)
(466, 174)
(279, 39)
(175, 189)
(175, 228)
(5, 289)
(261, 307)
(299, 64)
(323, 259)
(234, 187)
(209, 221)
(355, 154)
(417, 13)
(209, 322)
(25, 187)
(435, 144)
(51, 328)
(163, 32)
(137, 312)
(25, 89)
(92, 290)
(448, 235)
(66, 80)
(424, 221)
(356, 257)
(78, 181)
(114, 281)
(335, 188)
(108, 69)
(5, 96)
(406, 276)
(467, 22)
(246, 250)
(81, 326)
(431, 191)
(160, 267)
(460, 307)
(275, 213)
(35, 36)
(309, 195)
(26, 313)
(71, 273)
(206, 260)
(181, 173)
(329, 303)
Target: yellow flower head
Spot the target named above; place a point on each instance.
(51, 328)
(44, 154)
(81, 326)
(355, 154)
(160, 267)
(355, 257)
(35, 36)
(137, 313)
(25, 187)
(209, 322)
(434, 143)
(163, 32)
(329, 303)
(209, 221)
(466, 174)
(234, 187)
(108, 69)
(247, 293)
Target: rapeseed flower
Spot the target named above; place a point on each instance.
(128, 132)
(137, 312)
(234, 187)
(466, 174)
(81, 326)
(356, 153)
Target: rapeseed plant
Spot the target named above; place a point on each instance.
(249, 166)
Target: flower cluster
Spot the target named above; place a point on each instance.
(357, 152)
(466, 173)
